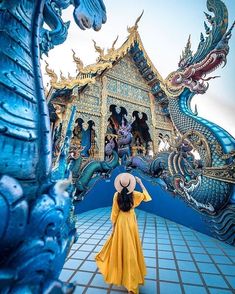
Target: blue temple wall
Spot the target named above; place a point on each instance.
(163, 203)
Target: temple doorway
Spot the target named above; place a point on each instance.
(127, 136)
(141, 142)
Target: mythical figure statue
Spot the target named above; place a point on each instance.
(124, 141)
(109, 147)
(36, 227)
(208, 184)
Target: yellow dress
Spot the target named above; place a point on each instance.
(121, 259)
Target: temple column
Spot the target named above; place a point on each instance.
(153, 123)
(103, 118)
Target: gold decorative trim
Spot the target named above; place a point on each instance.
(89, 112)
(138, 85)
(132, 101)
(69, 82)
(165, 126)
(224, 173)
(219, 151)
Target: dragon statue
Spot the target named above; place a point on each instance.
(206, 184)
(37, 225)
(90, 173)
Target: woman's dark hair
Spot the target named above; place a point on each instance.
(124, 200)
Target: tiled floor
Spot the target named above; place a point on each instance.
(178, 259)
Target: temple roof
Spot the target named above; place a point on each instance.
(88, 74)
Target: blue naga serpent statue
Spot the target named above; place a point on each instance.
(37, 224)
(207, 184)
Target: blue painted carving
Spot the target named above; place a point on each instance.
(60, 170)
(207, 185)
(91, 172)
(36, 225)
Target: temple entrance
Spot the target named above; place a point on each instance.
(142, 142)
(116, 119)
(84, 139)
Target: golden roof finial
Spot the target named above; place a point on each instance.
(99, 50)
(53, 76)
(69, 76)
(78, 61)
(62, 77)
(112, 49)
(135, 27)
(114, 42)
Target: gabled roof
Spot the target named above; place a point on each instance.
(133, 45)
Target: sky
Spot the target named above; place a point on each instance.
(164, 30)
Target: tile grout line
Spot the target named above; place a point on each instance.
(157, 263)
(176, 262)
(215, 264)
(86, 259)
(195, 262)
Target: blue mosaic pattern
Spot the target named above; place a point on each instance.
(179, 260)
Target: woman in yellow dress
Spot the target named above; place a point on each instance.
(121, 259)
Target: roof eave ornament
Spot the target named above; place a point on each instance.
(78, 62)
(99, 50)
(134, 29)
(51, 73)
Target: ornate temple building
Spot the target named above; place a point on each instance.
(117, 115)
(119, 104)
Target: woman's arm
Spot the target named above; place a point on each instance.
(138, 180)
(146, 196)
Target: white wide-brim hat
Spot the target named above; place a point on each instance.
(125, 180)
